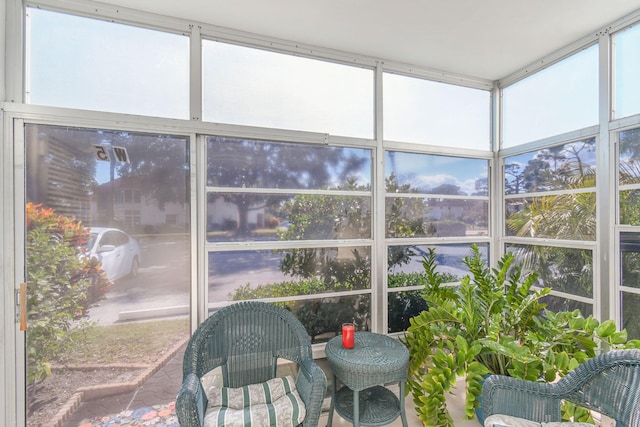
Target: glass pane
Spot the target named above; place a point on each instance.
(563, 167)
(627, 68)
(629, 157)
(404, 268)
(630, 314)
(404, 263)
(93, 64)
(423, 217)
(241, 275)
(431, 174)
(418, 110)
(562, 269)
(402, 307)
(245, 163)
(242, 216)
(555, 100)
(565, 216)
(630, 259)
(107, 260)
(630, 207)
(323, 317)
(256, 87)
(557, 304)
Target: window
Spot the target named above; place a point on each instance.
(256, 87)
(558, 99)
(626, 69)
(91, 64)
(307, 211)
(418, 110)
(629, 217)
(550, 194)
(429, 197)
(89, 270)
(435, 196)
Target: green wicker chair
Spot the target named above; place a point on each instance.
(608, 384)
(246, 340)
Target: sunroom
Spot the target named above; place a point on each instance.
(307, 155)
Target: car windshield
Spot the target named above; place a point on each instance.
(91, 241)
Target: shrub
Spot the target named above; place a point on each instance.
(61, 284)
(494, 322)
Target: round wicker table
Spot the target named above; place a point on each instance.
(374, 361)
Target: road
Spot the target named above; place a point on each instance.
(162, 282)
(162, 285)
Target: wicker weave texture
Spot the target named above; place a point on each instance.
(608, 384)
(375, 359)
(246, 340)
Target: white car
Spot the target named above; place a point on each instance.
(118, 252)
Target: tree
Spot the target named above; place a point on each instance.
(512, 186)
(568, 216)
(159, 164)
(242, 163)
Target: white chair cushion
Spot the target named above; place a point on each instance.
(507, 421)
(273, 403)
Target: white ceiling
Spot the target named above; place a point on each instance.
(489, 39)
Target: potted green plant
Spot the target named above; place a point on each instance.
(493, 322)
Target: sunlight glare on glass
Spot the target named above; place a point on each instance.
(84, 63)
(256, 87)
(558, 99)
(627, 69)
(418, 110)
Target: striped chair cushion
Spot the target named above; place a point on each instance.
(507, 421)
(272, 403)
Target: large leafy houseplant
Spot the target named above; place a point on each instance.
(493, 322)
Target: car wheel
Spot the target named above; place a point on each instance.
(135, 266)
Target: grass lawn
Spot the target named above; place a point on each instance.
(138, 342)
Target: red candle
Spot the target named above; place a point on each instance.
(348, 335)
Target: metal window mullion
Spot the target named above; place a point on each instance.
(13, 19)
(286, 191)
(195, 74)
(604, 271)
(574, 297)
(285, 245)
(559, 243)
(200, 289)
(435, 196)
(379, 279)
(551, 193)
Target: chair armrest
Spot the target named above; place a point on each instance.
(539, 402)
(312, 387)
(191, 402)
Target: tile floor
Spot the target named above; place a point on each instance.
(162, 387)
(412, 418)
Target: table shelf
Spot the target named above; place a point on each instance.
(377, 405)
